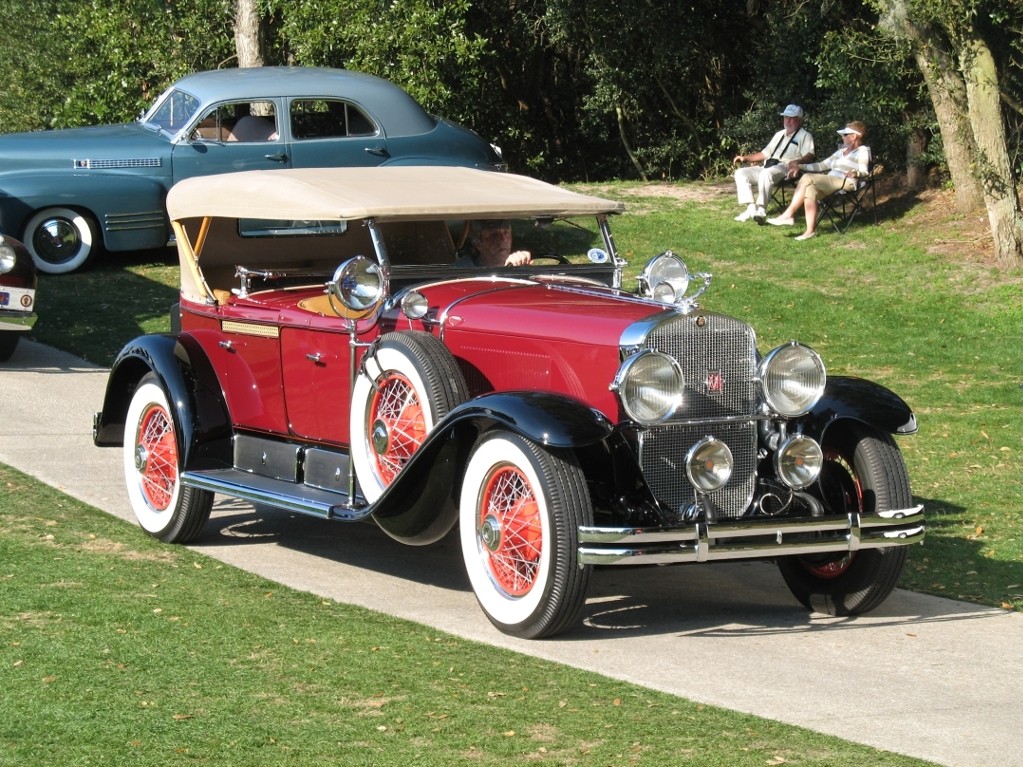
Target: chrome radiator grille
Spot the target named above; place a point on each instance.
(717, 355)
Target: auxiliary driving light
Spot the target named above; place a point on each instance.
(798, 461)
(709, 464)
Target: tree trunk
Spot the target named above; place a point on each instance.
(620, 114)
(948, 95)
(993, 167)
(916, 145)
(248, 34)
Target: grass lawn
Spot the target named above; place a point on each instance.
(118, 650)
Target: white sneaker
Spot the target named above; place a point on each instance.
(747, 214)
(781, 221)
(806, 236)
(760, 216)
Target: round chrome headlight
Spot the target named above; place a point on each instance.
(8, 257)
(358, 284)
(650, 386)
(665, 278)
(798, 461)
(709, 464)
(793, 379)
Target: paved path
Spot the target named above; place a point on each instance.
(924, 676)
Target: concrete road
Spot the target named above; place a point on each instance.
(923, 676)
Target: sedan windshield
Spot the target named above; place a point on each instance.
(173, 110)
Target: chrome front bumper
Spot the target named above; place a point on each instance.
(750, 539)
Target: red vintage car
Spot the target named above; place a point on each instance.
(337, 353)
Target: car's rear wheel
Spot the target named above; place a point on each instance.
(152, 469)
(404, 389)
(863, 472)
(519, 515)
(60, 240)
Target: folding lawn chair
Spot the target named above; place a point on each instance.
(843, 206)
(782, 192)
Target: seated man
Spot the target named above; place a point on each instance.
(490, 242)
(840, 171)
(792, 143)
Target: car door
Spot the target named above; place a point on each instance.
(317, 382)
(331, 133)
(233, 136)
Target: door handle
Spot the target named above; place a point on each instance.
(379, 151)
(276, 157)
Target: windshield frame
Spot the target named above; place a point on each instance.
(172, 99)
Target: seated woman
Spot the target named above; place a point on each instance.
(843, 168)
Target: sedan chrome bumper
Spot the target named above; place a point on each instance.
(750, 539)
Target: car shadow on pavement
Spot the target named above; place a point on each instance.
(740, 599)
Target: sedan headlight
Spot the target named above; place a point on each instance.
(649, 385)
(793, 379)
(8, 257)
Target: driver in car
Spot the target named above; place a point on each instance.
(490, 242)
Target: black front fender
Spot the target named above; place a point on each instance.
(860, 400)
(412, 504)
(553, 420)
(193, 390)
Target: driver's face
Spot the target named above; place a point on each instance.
(494, 245)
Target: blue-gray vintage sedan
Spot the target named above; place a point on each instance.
(69, 193)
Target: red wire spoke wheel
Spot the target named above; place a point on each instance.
(519, 514)
(512, 531)
(152, 469)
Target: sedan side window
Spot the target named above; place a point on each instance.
(245, 121)
(328, 118)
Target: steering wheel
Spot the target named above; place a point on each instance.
(554, 257)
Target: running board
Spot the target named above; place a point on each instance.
(280, 493)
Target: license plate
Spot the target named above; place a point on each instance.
(17, 299)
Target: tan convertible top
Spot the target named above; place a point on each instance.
(392, 193)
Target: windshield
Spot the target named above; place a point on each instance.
(173, 110)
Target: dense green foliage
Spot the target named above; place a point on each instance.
(571, 89)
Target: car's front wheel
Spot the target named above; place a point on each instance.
(863, 472)
(60, 240)
(519, 515)
(152, 469)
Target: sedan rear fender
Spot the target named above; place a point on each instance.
(200, 413)
(117, 202)
(550, 420)
(860, 400)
